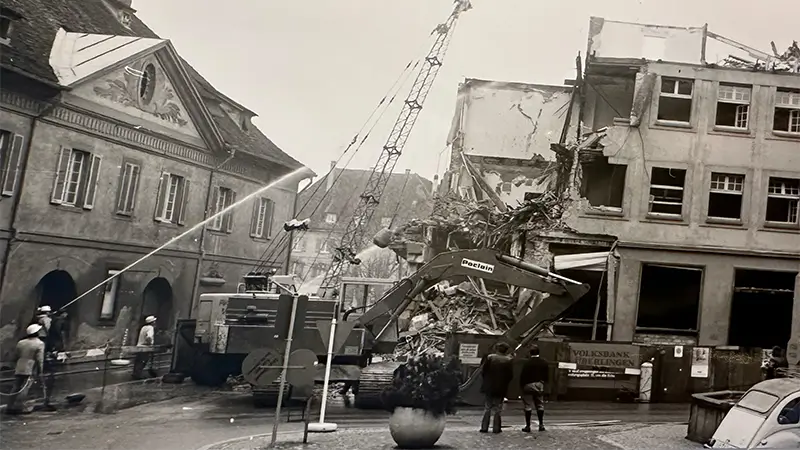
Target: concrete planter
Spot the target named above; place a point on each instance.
(707, 411)
(413, 428)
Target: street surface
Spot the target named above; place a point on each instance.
(204, 419)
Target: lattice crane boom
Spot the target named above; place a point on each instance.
(353, 237)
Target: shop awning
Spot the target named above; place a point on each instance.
(582, 261)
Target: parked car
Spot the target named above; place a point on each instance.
(767, 416)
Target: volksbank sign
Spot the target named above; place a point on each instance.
(477, 265)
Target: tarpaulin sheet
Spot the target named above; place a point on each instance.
(583, 261)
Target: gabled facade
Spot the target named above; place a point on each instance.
(330, 204)
(112, 146)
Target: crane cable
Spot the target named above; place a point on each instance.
(276, 243)
(352, 155)
(344, 206)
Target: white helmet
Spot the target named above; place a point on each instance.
(45, 309)
(150, 319)
(33, 329)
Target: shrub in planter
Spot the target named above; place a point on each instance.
(423, 392)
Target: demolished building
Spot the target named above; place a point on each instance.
(671, 185)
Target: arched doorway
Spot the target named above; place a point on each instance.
(57, 289)
(157, 302)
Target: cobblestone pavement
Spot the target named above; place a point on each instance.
(626, 437)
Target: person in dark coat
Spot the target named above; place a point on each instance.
(498, 370)
(535, 373)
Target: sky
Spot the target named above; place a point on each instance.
(315, 70)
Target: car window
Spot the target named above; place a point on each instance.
(758, 401)
(790, 414)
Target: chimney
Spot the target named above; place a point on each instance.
(330, 177)
(408, 171)
(434, 184)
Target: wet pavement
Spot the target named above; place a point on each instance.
(619, 437)
(196, 421)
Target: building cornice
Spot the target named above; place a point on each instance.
(124, 134)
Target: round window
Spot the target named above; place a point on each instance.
(147, 83)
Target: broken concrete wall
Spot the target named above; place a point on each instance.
(506, 130)
(613, 39)
(509, 120)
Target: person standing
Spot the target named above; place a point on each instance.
(30, 360)
(498, 371)
(43, 318)
(535, 373)
(777, 364)
(146, 339)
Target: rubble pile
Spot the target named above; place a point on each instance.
(466, 308)
(788, 61)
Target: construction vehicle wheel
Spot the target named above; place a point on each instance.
(207, 372)
(374, 379)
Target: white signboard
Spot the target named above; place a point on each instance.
(468, 353)
(477, 265)
(700, 362)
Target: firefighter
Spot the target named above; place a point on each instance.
(30, 361)
(144, 360)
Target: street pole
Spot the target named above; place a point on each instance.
(283, 371)
(323, 427)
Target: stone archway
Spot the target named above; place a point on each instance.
(157, 301)
(56, 289)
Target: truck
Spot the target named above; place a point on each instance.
(228, 327)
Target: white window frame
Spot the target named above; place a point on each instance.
(330, 218)
(785, 192)
(675, 94)
(741, 97)
(224, 199)
(790, 100)
(323, 247)
(110, 297)
(263, 225)
(171, 198)
(299, 245)
(728, 184)
(73, 177)
(651, 201)
(129, 186)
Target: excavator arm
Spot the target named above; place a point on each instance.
(488, 264)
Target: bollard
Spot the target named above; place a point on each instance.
(646, 382)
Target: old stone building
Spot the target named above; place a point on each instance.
(330, 203)
(112, 145)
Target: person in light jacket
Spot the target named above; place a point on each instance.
(30, 361)
(144, 360)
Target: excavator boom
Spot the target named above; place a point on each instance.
(483, 263)
(454, 266)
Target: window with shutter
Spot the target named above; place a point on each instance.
(223, 198)
(184, 202)
(161, 196)
(75, 182)
(91, 182)
(11, 150)
(128, 187)
(229, 214)
(261, 226)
